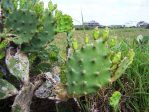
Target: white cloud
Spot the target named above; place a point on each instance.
(106, 11)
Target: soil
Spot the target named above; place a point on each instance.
(5, 105)
(41, 105)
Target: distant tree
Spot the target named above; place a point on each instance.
(143, 24)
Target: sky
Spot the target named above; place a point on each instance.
(106, 12)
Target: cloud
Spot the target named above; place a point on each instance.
(105, 11)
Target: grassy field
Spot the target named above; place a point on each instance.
(122, 34)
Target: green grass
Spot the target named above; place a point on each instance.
(139, 75)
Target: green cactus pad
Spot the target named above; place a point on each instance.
(122, 66)
(8, 5)
(23, 24)
(115, 99)
(6, 89)
(64, 23)
(88, 69)
(47, 33)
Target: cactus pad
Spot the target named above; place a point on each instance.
(18, 65)
(45, 35)
(122, 66)
(48, 32)
(23, 24)
(6, 89)
(64, 23)
(88, 69)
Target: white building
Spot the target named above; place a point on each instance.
(91, 24)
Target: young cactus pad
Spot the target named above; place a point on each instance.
(88, 69)
(115, 99)
(123, 65)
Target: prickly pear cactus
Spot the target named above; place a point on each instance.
(6, 89)
(23, 24)
(122, 65)
(44, 36)
(30, 25)
(47, 33)
(91, 67)
(114, 100)
(18, 65)
(8, 5)
(64, 22)
(88, 69)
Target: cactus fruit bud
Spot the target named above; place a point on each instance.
(131, 55)
(112, 42)
(86, 39)
(105, 35)
(75, 44)
(96, 33)
(116, 58)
